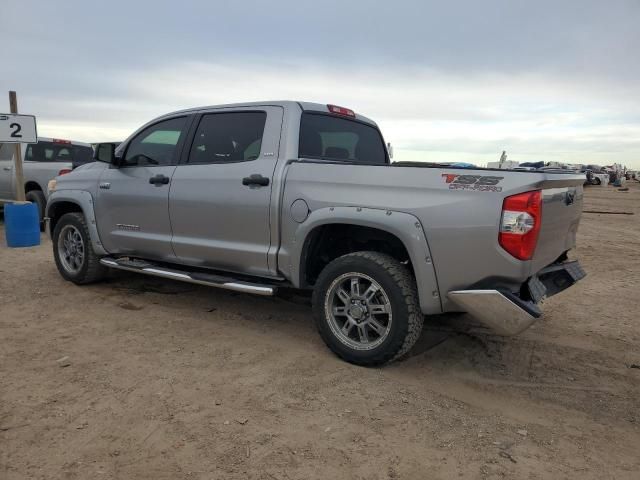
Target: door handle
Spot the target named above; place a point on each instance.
(159, 180)
(6, 169)
(255, 179)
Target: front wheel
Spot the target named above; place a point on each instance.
(366, 308)
(73, 253)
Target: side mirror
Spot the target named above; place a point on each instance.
(105, 152)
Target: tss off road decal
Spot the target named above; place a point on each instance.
(472, 182)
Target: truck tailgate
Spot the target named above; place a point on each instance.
(561, 211)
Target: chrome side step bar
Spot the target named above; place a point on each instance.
(210, 280)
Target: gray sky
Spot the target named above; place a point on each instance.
(457, 80)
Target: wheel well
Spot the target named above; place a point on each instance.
(29, 186)
(328, 242)
(59, 209)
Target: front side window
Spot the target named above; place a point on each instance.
(333, 138)
(156, 145)
(228, 137)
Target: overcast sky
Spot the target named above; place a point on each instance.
(456, 80)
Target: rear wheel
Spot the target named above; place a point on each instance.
(366, 308)
(73, 253)
(37, 197)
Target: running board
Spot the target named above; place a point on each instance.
(211, 280)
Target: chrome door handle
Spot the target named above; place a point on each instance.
(6, 169)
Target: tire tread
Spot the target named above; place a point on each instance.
(94, 271)
(405, 280)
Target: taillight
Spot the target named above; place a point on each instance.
(64, 171)
(520, 224)
(341, 111)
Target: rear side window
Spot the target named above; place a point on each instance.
(333, 138)
(228, 137)
(58, 152)
(155, 145)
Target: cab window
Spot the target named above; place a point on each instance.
(45, 151)
(228, 137)
(329, 137)
(156, 145)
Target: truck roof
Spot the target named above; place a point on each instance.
(285, 104)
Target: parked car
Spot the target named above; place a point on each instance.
(594, 175)
(256, 196)
(42, 162)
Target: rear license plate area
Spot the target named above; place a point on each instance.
(554, 279)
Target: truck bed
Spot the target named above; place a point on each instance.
(460, 221)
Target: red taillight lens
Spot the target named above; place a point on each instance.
(64, 171)
(520, 224)
(341, 111)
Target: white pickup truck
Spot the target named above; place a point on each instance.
(43, 161)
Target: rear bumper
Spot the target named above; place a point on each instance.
(509, 314)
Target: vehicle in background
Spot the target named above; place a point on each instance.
(42, 162)
(504, 165)
(464, 165)
(595, 175)
(256, 196)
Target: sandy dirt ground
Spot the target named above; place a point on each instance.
(167, 380)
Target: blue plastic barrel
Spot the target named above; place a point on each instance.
(21, 224)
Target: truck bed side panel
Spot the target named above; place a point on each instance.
(461, 224)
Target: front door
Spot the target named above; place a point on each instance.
(132, 206)
(221, 193)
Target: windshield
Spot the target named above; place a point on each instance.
(333, 138)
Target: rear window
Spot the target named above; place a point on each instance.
(334, 138)
(58, 152)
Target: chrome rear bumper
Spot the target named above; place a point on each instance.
(507, 313)
(495, 310)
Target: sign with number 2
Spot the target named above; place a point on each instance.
(18, 128)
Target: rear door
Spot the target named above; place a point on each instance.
(221, 192)
(132, 206)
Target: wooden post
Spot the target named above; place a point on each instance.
(13, 105)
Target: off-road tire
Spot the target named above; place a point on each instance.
(37, 197)
(399, 285)
(91, 270)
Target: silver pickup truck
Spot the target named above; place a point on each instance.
(256, 196)
(43, 161)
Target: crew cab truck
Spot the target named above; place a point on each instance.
(42, 162)
(252, 197)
